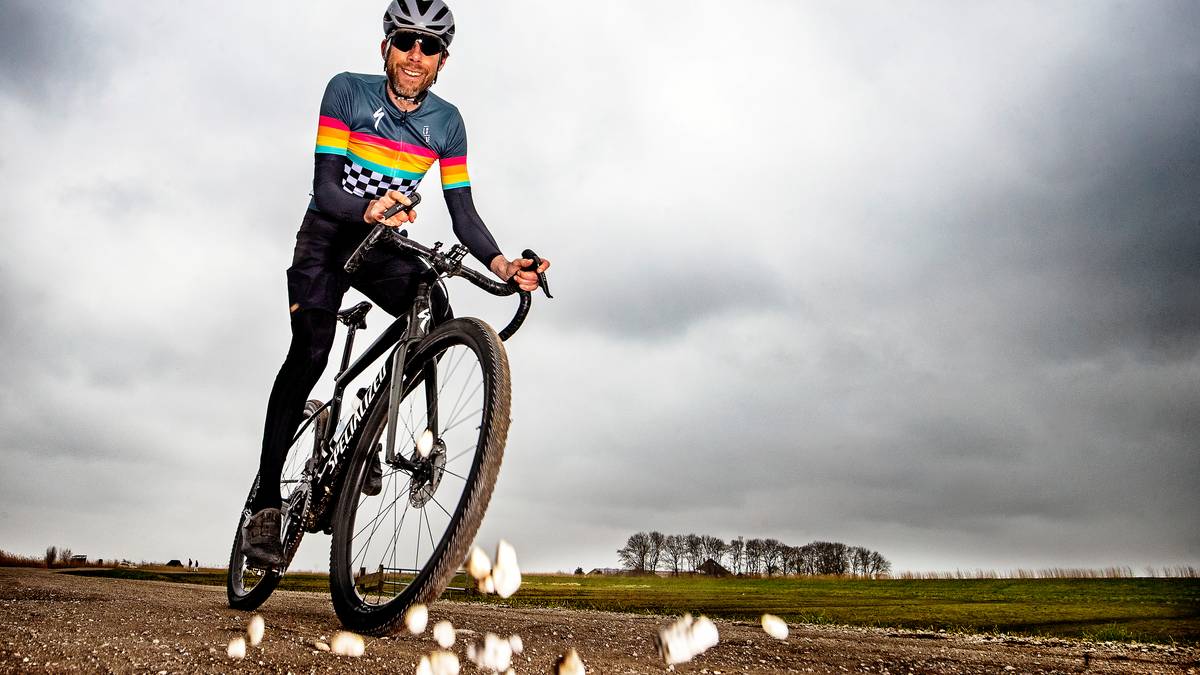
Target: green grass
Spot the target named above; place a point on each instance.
(1154, 610)
(1142, 609)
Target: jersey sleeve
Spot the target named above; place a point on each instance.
(333, 139)
(453, 160)
(333, 126)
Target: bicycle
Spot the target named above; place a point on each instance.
(450, 409)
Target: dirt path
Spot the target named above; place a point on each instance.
(55, 623)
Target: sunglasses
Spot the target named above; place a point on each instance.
(404, 40)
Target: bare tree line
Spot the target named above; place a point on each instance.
(675, 553)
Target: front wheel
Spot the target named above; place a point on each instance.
(405, 543)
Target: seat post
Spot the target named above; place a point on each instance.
(348, 349)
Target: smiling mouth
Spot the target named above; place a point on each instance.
(410, 73)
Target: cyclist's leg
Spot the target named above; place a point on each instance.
(316, 284)
(390, 282)
(312, 338)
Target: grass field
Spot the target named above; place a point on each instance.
(1142, 609)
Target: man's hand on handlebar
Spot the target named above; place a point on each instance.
(374, 212)
(527, 280)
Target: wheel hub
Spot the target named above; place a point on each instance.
(428, 475)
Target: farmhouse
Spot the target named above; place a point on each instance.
(608, 571)
(713, 569)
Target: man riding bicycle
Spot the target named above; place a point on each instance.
(377, 137)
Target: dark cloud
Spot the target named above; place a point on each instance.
(47, 50)
(1107, 230)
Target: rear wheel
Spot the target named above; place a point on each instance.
(248, 587)
(404, 545)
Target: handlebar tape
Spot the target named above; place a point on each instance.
(415, 198)
(368, 243)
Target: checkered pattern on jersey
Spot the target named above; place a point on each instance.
(364, 182)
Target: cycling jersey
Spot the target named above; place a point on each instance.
(385, 148)
(367, 146)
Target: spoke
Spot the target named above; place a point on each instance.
(366, 546)
(447, 471)
(432, 544)
(466, 416)
(382, 512)
(394, 472)
(453, 367)
(439, 504)
(391, 546)
(410, 428)
(470, 448)
(417, 554)
(460, 402)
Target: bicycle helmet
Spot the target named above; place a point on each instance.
(430, 16)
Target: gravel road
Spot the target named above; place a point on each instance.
(57, 623)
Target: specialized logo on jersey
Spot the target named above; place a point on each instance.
(378, 115)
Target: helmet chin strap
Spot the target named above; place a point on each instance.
(410, 99)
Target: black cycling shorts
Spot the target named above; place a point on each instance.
(317, 278)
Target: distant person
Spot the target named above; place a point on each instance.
(377, 137)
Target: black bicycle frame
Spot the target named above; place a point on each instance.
(398, 336)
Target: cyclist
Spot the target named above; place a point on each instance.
(377, 137)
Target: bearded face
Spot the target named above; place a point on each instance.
(412, 72)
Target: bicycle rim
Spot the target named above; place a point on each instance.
(405, 543)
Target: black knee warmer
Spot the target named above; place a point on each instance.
(312, 338)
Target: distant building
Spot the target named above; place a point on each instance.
(79, 559)
(713, 569)
(174, 563)
(608, 571)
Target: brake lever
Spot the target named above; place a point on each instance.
(543, 282)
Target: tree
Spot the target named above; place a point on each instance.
(64, 555)
(753, 553)
(695, 547)
(736, 547)
(657, 539)
(880, 566)
(831, 557)
(633, 555)
(714, 547)
(772, 555)
(675, 549)
(791, 560)
(51, 555)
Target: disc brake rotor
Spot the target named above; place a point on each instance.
(428, 476)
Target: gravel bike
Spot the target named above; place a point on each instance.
(432, 424)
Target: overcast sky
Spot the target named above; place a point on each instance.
(922, 277)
